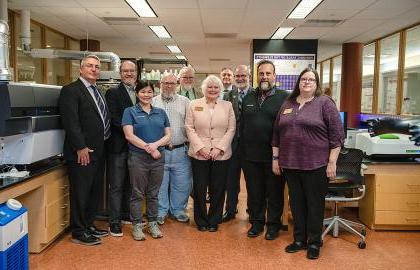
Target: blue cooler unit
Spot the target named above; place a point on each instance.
(13, 238)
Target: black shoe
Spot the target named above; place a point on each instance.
(227, 216)
(202, 228)
(271, 234)
(213, 228)
(86, 239)
(97, 232)
(295, 247)
(313, 252)
(255, 230)
(115, 229)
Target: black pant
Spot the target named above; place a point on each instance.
(211, 174)
(119, 187)
(85, 185)
(233, 181)
(265, 194)
(307, 190)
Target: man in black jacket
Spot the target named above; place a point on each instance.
(265, 189)
(85, 118)
(236, 97)
(119, 98)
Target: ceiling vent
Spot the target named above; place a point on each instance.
(219, 59)
(220, 35)
(321, 23)
(121, 21)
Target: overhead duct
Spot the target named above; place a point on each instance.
(61, 54)
(4, 51)
(77, 55)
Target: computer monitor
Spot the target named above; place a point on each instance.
(343, 116)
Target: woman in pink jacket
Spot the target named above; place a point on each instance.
(210, 125)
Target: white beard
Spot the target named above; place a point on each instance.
(265, 86)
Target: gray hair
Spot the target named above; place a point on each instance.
(83, 62)
(185, 69)
(248, 70)
(166, 75)
(211, 79)
(128, 61)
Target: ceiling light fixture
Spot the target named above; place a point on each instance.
(303, 9)
(160, 31)
(174, 48)
(142, 8)
(180, 57)
(282, 32)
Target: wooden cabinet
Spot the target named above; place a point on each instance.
(392, 200)
(47, 199)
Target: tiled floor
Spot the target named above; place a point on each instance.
(184, 247)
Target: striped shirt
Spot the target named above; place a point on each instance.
(176, 110)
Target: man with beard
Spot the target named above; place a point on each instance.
(119, 98)
(265, 189)
(186, 84)
(177, 176)
(226, 75)
(236, 97)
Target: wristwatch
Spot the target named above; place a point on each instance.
(275, 157)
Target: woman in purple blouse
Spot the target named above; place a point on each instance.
(307, 138)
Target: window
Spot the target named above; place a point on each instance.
(336, 83)
(74, 45)
(55, 67)
(367, 79)
(388, 72)
(28, 69)
(325, 74)
(411, 84)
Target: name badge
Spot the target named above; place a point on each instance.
(199, 109)
(287, 111)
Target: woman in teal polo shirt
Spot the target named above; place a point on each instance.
(146, 129)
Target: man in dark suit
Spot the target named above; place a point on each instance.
(235, 96)
(118, 99)
(226, 75)
(85, 119)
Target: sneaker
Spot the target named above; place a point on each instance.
(160, 220)
(182, 218)
(138, 232)
(86, 239)
(115, 229)
(154, 230)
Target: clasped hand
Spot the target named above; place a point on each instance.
(213, 154)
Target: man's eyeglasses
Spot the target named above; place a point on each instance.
(126, 71)
(308, 80)
(92, 66)
(169, 83)
(187, 78)
(240, 76)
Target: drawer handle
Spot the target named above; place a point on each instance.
(63, 224)
(65, 186)
(411, 219)
(64, 206)
(413, 203)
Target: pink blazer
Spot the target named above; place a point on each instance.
(210, 130)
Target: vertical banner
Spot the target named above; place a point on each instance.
(288, 67)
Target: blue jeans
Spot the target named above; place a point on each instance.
(176, 183)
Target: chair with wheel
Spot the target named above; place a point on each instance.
(349, 181)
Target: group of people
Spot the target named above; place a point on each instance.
(160, 149)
